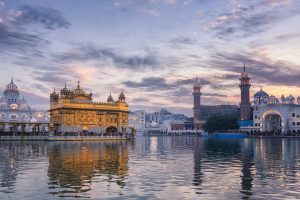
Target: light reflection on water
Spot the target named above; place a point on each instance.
(151, 168)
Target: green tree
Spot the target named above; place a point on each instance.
(220, 124)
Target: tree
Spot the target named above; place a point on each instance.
(220, 124)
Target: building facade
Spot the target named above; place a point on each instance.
(75, 111)
(271, 114)
(137, 120)
(208, 111)
(17, 116)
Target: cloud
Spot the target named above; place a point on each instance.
(151, 11)
(149, 83)
(17, 37)
(106, 55)
(263, 69)
(167, 2)
(19, 42)
(180, 41)
(248, 19)
(48, 17)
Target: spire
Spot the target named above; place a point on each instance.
(244, 66)
(197, 83)
(12, 79)
(65, 84)
(110, 98)
(78, 84)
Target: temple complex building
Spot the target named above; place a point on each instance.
(267, 113)
(17, 116)
(73, 110)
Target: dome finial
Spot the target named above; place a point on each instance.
(78, 84)
(65, 84)
(12, 79)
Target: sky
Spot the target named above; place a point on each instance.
(152, 49)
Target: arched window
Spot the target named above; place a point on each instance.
(13, 116)
(23, 116)
(2, 116)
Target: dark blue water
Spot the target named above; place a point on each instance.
(152, 168)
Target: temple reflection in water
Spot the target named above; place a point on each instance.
(160, 167)
(74, 165)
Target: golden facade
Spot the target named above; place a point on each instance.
(74, 111)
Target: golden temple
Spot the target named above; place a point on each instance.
(75, 111)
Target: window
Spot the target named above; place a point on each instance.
(13, 116)
(255, 117)
(298, 123)
(255, 124)
(293, 114)
(3, 116)
(294, 123)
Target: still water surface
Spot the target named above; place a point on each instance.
(152, 168)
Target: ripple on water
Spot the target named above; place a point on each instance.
(152, 168)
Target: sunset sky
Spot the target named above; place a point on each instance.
(152, 49)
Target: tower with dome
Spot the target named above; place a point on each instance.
(17, 116)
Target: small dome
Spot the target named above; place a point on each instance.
(290, 97)
(110, 99)
(122, 96)
(272, 100)
(261, 93)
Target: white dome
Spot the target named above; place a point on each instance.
(11, 86)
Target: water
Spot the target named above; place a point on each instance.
(152, 168)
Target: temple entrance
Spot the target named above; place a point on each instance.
(273, 123)
(111, 129)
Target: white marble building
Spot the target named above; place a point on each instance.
(137, 120)
(275, 115)
(17, 116)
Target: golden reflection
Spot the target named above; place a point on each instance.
(76, 165)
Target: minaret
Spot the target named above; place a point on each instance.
(197, 103)
(245, 95)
